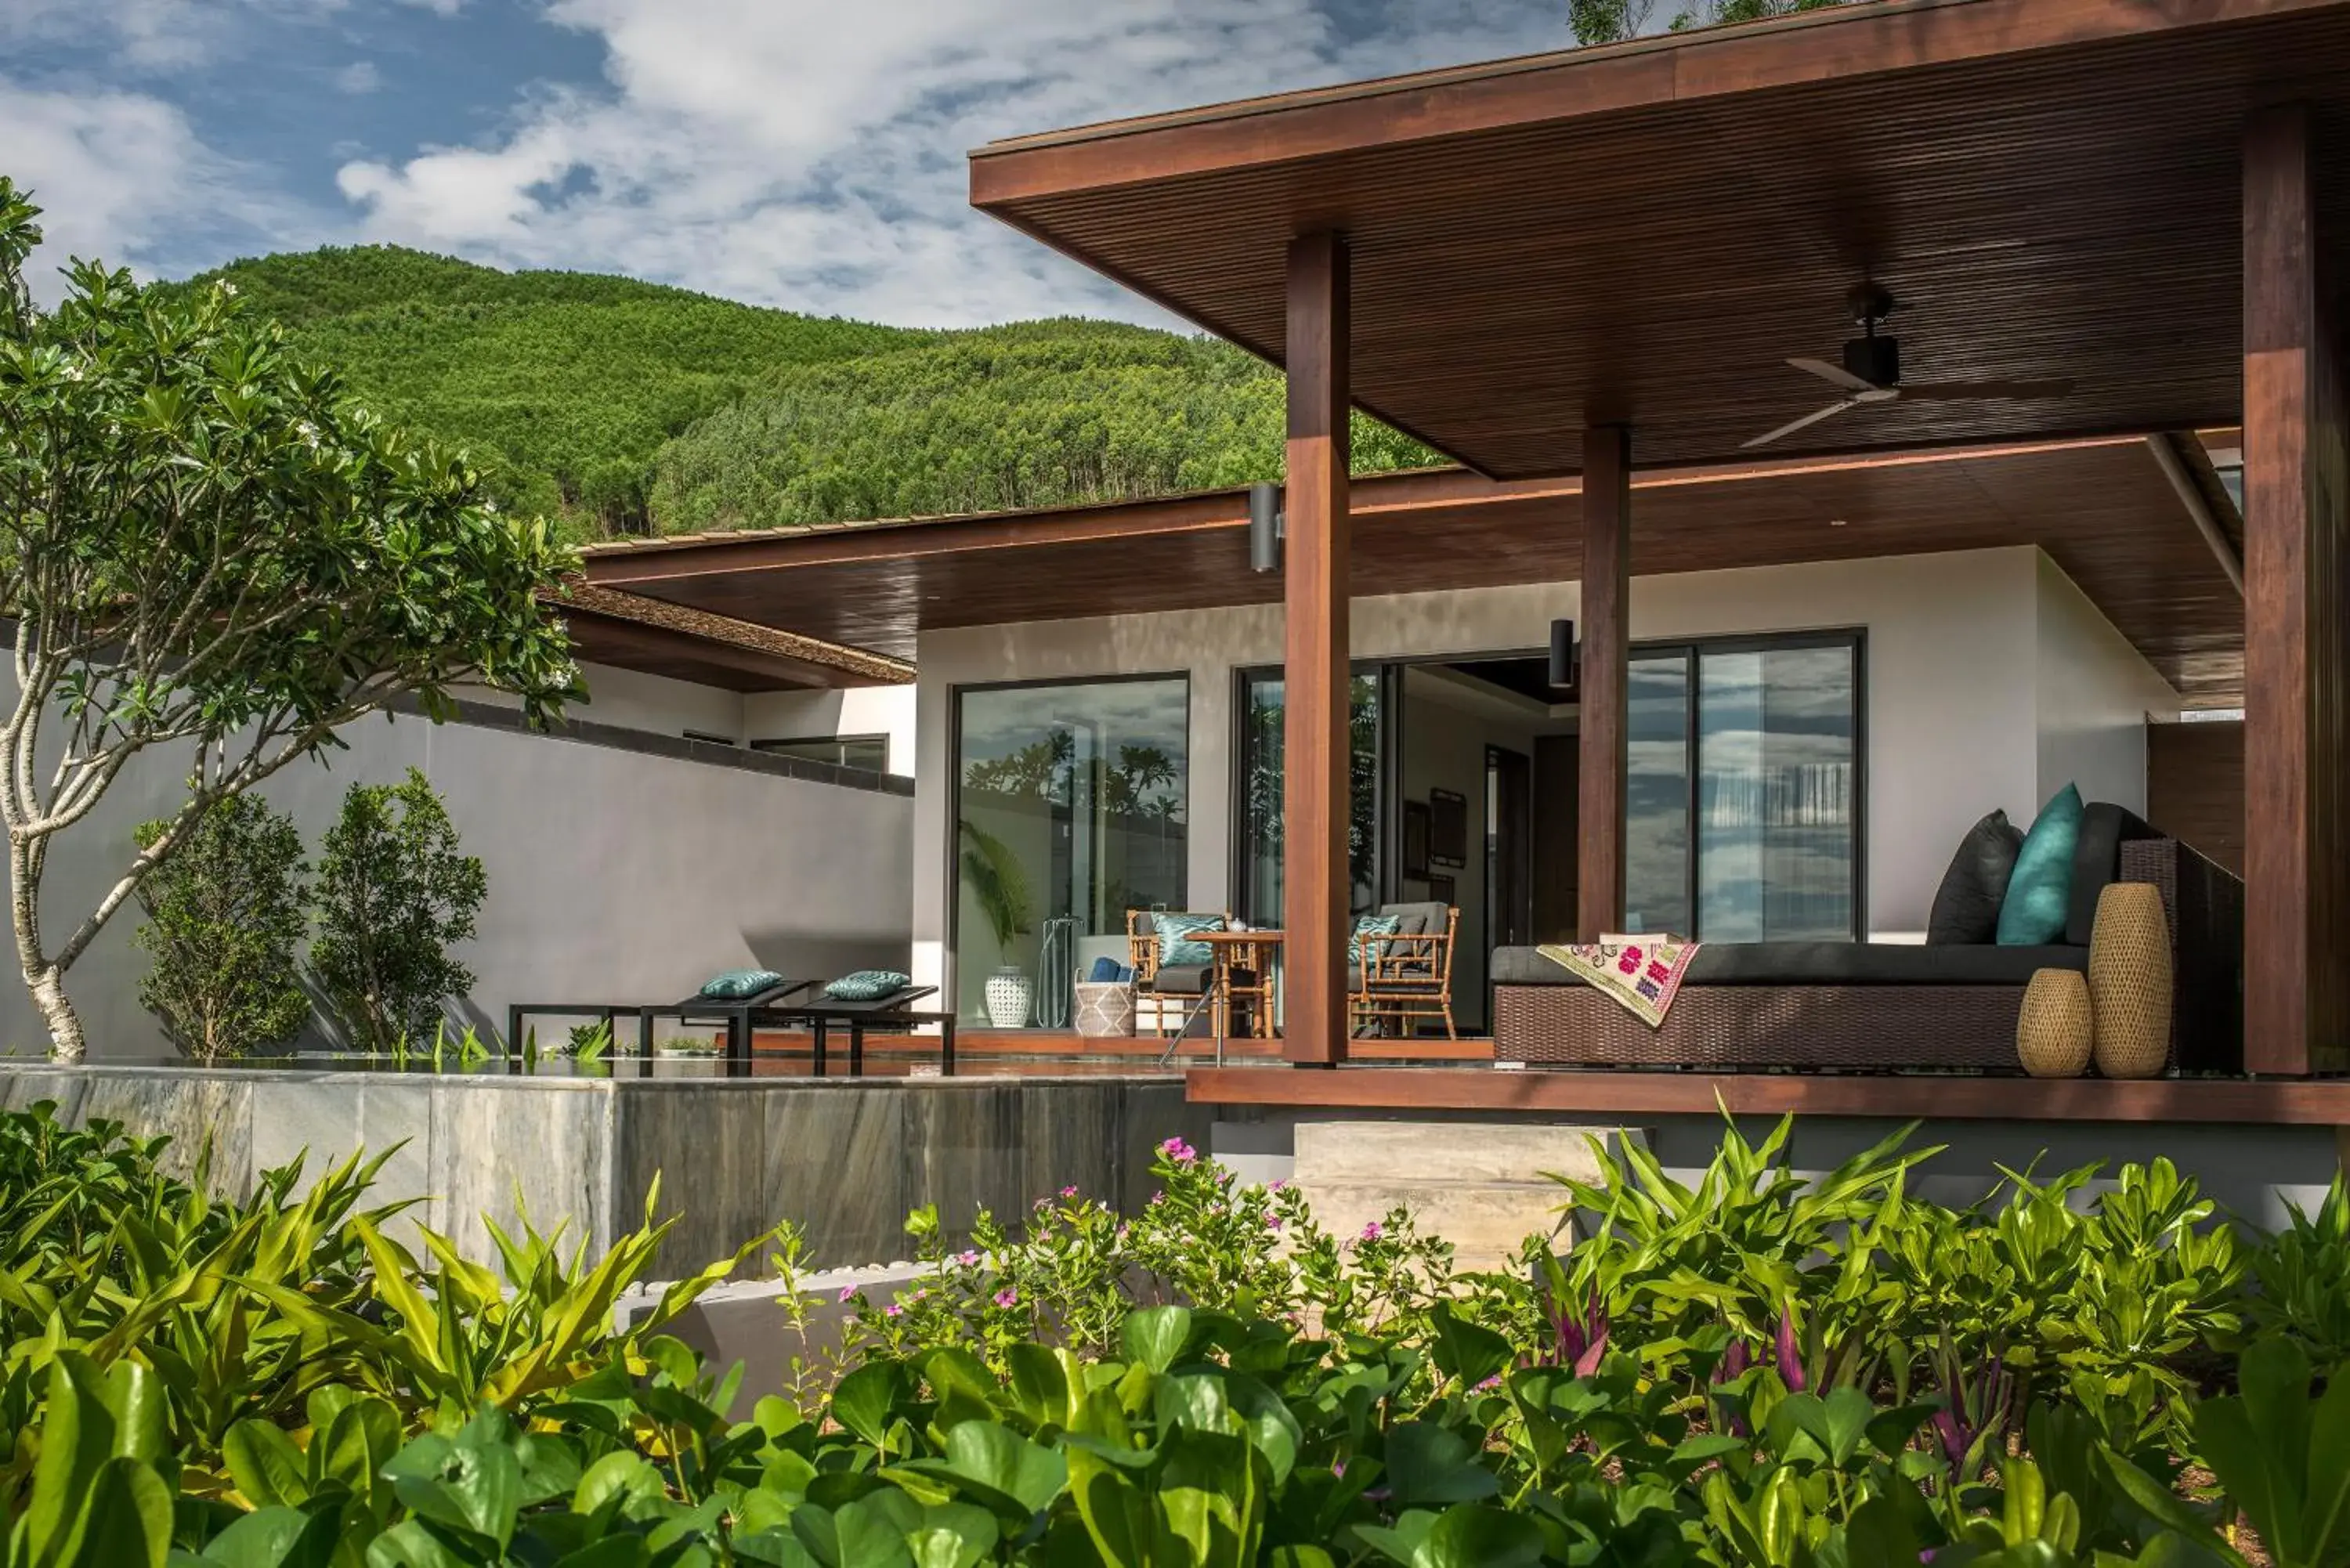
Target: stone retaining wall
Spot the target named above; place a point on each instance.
(845, 1158)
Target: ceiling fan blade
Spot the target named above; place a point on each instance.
(1986, 391)
(1790, 428)
(1836, 375)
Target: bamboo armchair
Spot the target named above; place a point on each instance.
(1407, 976)
(1195, 982)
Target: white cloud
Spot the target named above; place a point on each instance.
(809, 154)
(122, 177)
(358, 77)
(152, 36)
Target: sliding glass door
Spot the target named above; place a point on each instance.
(1071, 808)
(1743, 798)
(1262, 716)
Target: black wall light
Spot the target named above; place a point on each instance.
(1563, 663)
(1267, 524)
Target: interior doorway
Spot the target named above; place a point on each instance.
(1482, 737)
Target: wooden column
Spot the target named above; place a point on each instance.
(1607, 630)
(2296, 620)
(1314, 871)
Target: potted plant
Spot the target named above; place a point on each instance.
(993, 874)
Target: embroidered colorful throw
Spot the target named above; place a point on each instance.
(1643, 973)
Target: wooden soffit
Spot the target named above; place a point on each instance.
(2103, 509)
(1643, 233)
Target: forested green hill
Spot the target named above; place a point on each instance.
(619, 405)
(562, 385)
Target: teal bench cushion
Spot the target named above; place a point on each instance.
(867, 985)
(737, 984)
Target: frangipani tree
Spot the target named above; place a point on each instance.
(209, 555)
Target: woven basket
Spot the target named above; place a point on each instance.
(2052, 1036)
(2131, 981)
(1104, 1009)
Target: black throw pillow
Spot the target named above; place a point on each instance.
(1966, 906)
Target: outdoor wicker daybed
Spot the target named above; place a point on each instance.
(1861, 1006)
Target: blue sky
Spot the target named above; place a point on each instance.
(787, 152)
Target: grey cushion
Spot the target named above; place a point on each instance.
(1421, 919)
(1827, 963)
(1966, 906)
(1184, 979)
(2098, 863)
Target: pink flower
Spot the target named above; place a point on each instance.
(968, 1259)
(1371, 1232)
(1273, 1222)
(1176, 1149)
(1492, 1382)
(1068, 1192)
(848, 1293)
(893, 1310)
(1004, 1298)
(1280, 1184)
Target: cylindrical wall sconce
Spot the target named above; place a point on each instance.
(1265, 522)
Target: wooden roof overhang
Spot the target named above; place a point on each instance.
(1642, 233)
(630, 631)
(2106, 510)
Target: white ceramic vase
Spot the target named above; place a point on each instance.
(1010, 994)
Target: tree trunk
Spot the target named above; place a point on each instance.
(45, 980)
(48, 988)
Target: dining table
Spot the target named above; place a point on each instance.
(1254, 954)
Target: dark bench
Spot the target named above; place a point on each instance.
(1864, 1006)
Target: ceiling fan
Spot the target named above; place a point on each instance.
(1871, 373)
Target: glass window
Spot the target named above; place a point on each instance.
(1775, 755)
(1771, 730)
(1262, 717)
(1656, 793)
(870, 753)
(1070, 810)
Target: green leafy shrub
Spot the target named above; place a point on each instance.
(225, 917)
(394, 891)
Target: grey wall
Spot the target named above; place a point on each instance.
(613, 874)
(846, 1158)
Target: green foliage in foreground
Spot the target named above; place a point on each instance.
(621, 406)
(280, 1384)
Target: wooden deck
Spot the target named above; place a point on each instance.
(974, 1045)
(2323, 1102)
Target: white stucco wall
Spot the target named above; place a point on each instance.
(2094, 695)
(613, 875)
(855, 710)
(637, 701)
(1966, 710)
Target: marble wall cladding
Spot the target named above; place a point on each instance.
(833, 1168)
(505, 1150)
(845, 1159)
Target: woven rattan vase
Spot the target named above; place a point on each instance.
(2129, 982)
(2052, 1036)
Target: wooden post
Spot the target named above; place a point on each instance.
(2296, 620)
(1316, 684)
(1607, 616)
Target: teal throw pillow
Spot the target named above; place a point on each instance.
(2039, 891)
(737, 984)
(1370, 926)
(867, 985)
(1176, 951)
